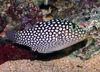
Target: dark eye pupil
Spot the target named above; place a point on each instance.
(94, 27)
(87, 18)
(73, 26)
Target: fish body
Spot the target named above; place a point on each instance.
(49, 36)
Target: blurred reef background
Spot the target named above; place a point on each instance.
(22, 14)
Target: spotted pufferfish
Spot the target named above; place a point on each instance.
(49, 36)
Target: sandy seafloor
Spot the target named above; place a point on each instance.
(65, 64)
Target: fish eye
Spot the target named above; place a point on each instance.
(94, 27)
(73, 25)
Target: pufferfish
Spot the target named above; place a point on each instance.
(49, 36)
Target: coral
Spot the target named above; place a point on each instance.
(24, 12)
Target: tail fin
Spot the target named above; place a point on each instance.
(11, 35)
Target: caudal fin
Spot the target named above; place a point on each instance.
(11, 35)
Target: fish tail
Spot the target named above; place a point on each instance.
(11, 35)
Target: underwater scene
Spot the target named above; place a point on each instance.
(49, 35)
